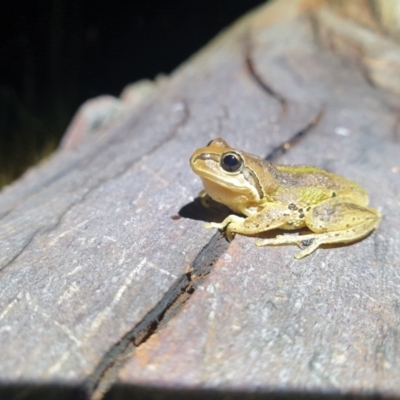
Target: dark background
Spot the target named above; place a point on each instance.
(55, 54)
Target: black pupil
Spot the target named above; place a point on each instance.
(230, 163)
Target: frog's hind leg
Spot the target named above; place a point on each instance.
(331, 223)
(339, 223)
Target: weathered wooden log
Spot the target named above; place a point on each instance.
(110, 285)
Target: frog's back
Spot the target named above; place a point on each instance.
(317, 184)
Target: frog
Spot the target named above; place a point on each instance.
(270, 196)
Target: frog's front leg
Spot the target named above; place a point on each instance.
(204, 199)
(271, 217)
(230, 219)
(331, 222)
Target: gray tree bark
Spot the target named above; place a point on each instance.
(110, 285)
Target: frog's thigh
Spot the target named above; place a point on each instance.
(332, 222)
(341, 223)
(351, 221)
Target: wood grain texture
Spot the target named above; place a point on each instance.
(109, 280)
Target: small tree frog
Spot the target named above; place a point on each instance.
(282, 196)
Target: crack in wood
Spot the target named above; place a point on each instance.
(171, 303)
(115, 139)
(60, 217)
(106, 373)
(284, 147)
(78, 165)
(49, 228)
(20, 251)
(256, 77)
(396, 125)
(97, 185)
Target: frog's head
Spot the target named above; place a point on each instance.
(231, 175)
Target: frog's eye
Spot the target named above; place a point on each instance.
(231, 162)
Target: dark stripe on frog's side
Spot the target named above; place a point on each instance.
(265, 177)
(251, 177)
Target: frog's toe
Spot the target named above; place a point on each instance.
(303, 253)
(299, 255)
(280, 239)
(263, 242)
(210, 225)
